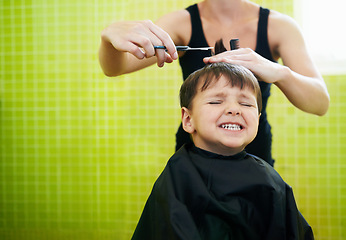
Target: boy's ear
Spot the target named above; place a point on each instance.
(186, 120)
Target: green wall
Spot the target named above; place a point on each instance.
(80, 151)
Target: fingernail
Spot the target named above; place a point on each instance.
(175, 55)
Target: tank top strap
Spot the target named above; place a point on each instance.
(197, 35)
(193, 60)
(262, 46)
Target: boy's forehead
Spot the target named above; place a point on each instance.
(218, 87)
(222, 81)
(212, 80)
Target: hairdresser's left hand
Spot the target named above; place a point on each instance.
(262, 68)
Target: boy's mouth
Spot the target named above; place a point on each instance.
(232, 126)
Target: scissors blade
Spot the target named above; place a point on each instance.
(186, 48)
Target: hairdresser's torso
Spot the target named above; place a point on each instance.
(226, 19)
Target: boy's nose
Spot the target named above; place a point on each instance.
(233, 110)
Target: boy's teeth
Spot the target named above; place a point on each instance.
(233, 127)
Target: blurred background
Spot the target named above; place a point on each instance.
(79, 152)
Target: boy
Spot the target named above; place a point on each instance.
(213, 189)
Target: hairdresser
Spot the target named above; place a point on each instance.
(265, 37)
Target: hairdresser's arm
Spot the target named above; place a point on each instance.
(299, 79)
(128, 46)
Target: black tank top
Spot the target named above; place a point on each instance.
(193, 60)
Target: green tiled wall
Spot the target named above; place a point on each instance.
(80, 151)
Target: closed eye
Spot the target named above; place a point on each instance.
(246, 104)
(215, 102)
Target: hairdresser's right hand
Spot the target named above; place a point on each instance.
(139, 39)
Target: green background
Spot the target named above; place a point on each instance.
(80, 151)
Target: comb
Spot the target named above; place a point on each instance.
(234, 44)
(219, 47)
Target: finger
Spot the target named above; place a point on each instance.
(144, 47)
(234, 56)
(165, 39)
(217, 59)
(169, 59)
(145, 41)
(206, 60)
(160, 54)
(161, 57)
(132, 48)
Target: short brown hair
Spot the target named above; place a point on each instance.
(237, 75)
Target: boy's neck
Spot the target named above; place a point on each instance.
(225, 154)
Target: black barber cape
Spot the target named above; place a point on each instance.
(202, 195)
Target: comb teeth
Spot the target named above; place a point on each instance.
(219, 47)
(234, 44)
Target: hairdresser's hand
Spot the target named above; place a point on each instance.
(139, 38)
(262, 68)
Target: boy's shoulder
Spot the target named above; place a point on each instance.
(268, 169)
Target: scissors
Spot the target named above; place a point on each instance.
(186, 48)
(234, 43)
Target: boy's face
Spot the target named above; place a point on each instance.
(223, 119)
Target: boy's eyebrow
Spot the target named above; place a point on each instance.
(217, 94)
(222, 94)
(245, 95)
